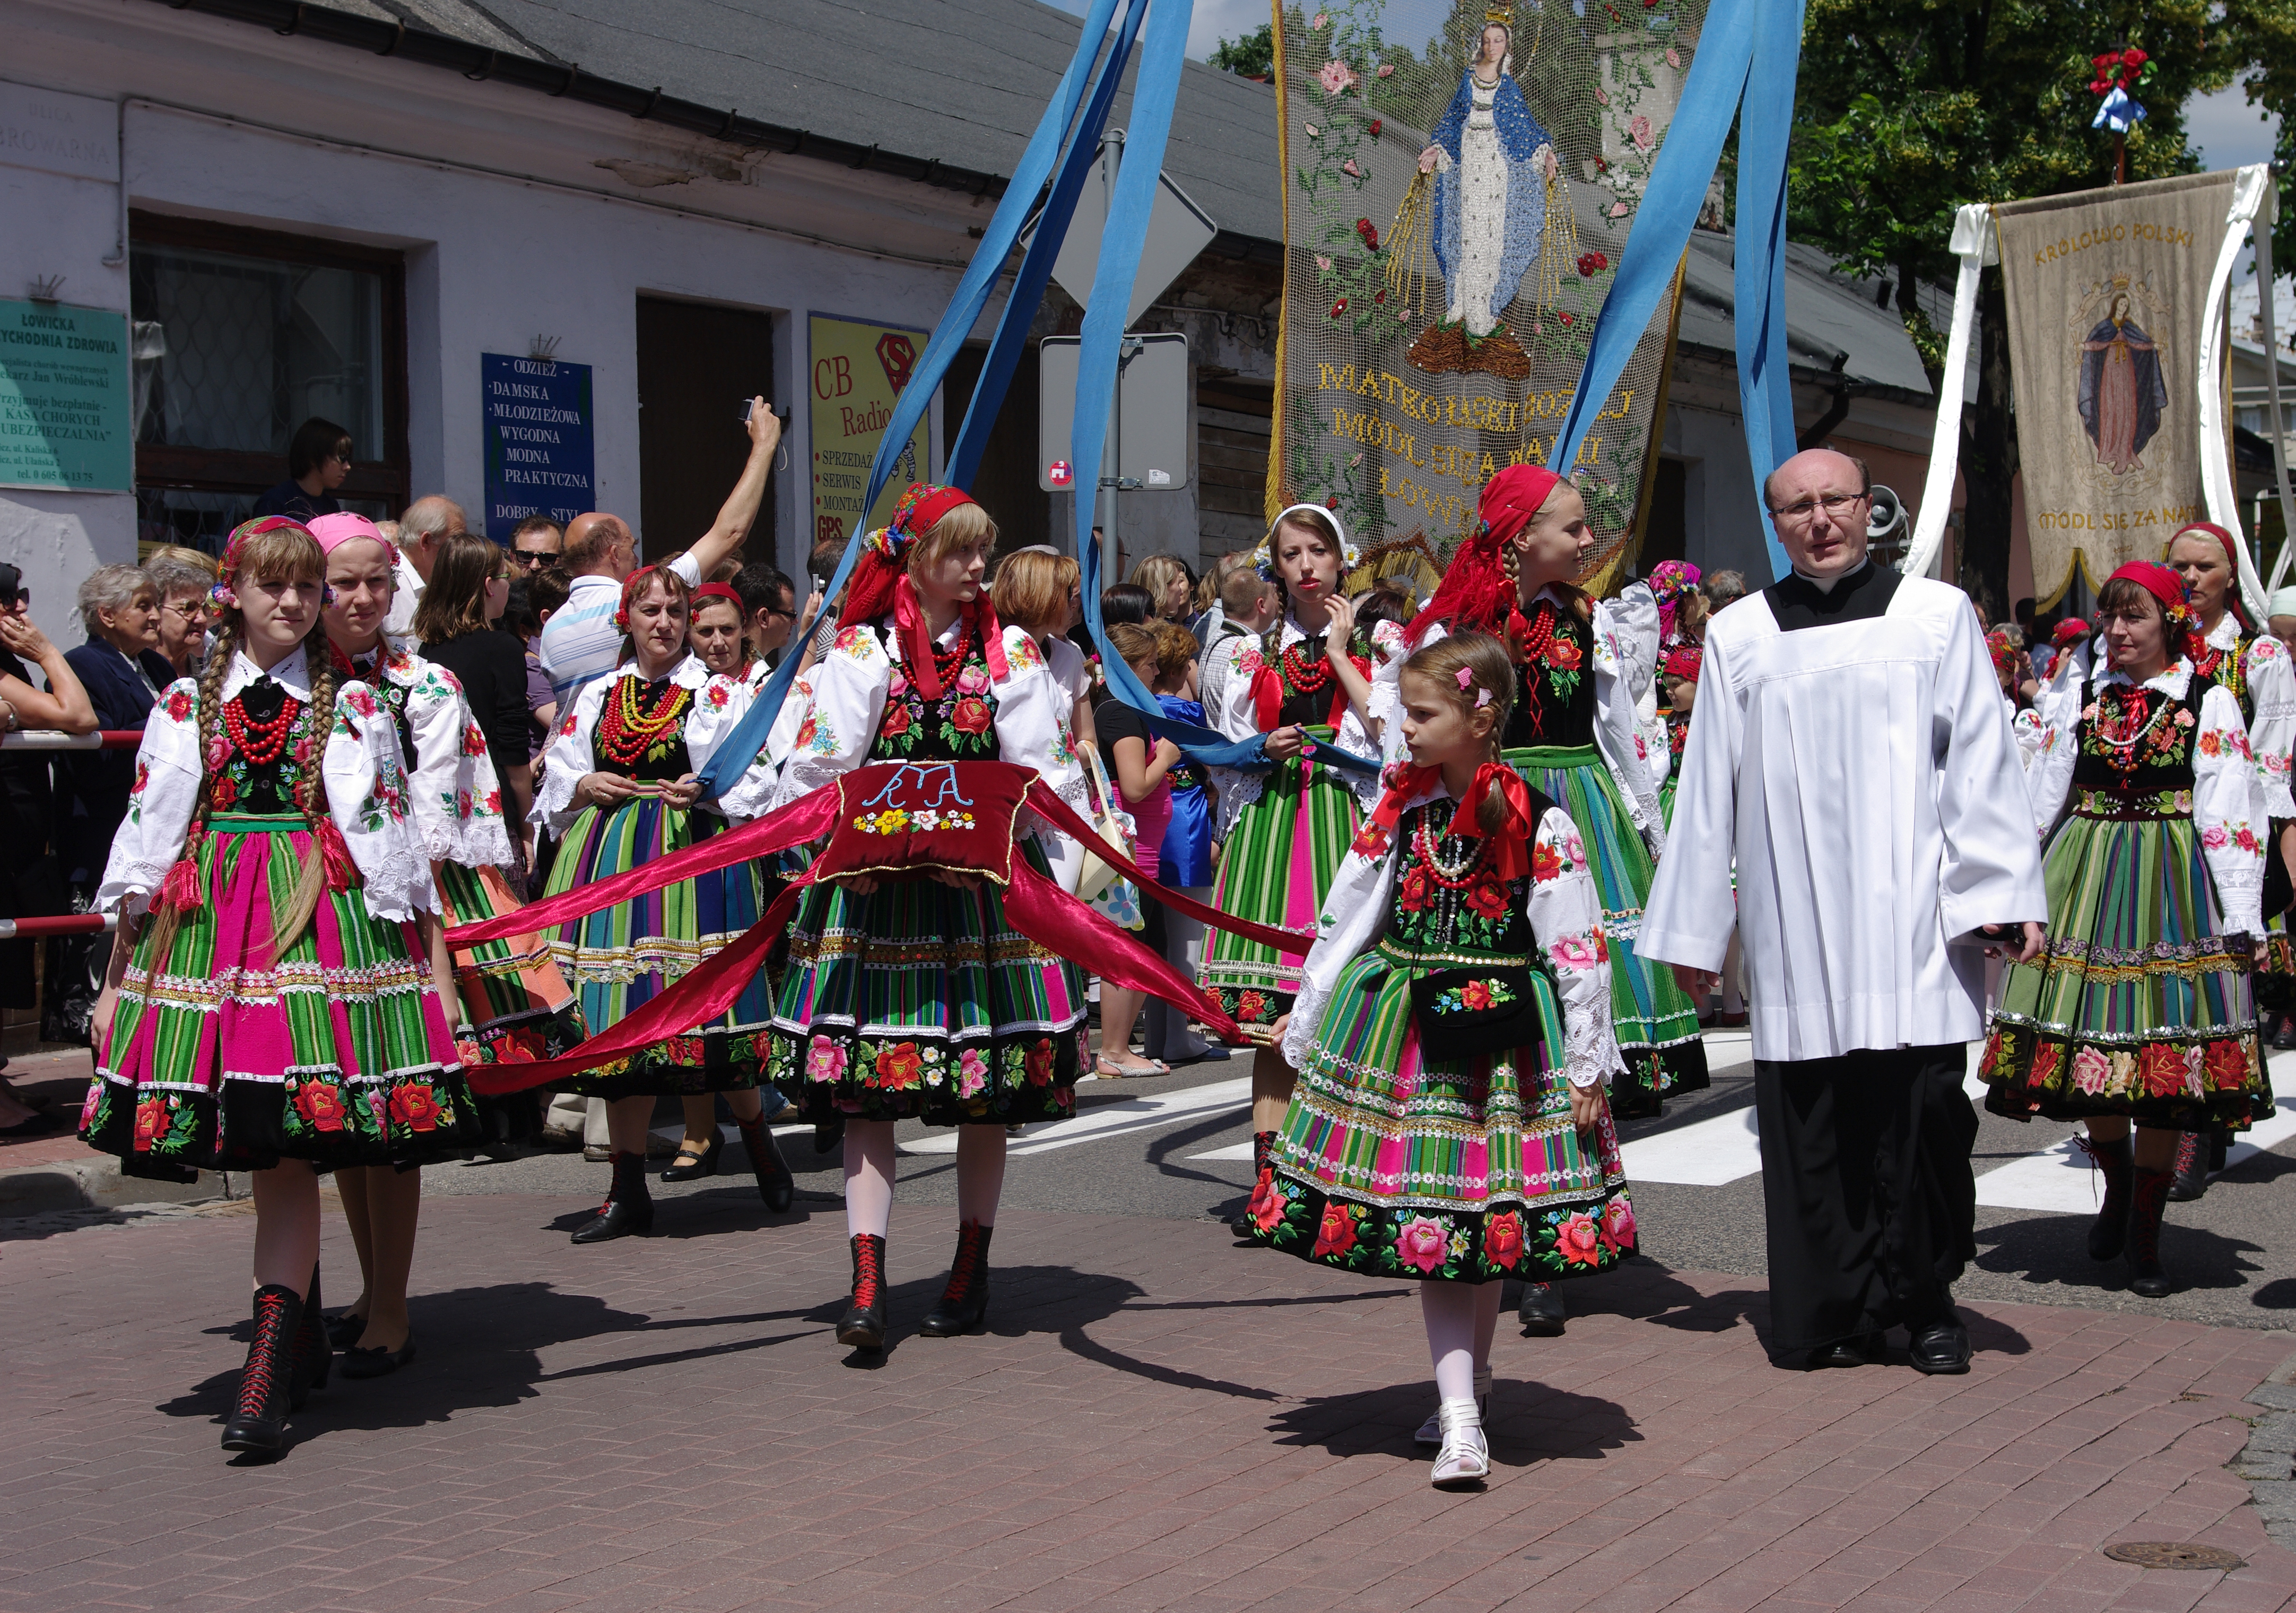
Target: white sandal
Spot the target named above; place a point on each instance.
(1465, 1459)
(1431, 1432)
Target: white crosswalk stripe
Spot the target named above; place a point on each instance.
(1107, 1119)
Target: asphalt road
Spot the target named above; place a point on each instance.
(1178, 1146)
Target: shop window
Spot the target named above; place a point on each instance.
(240, 336)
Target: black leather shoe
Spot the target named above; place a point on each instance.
(1862, 1351)
(2108, 1234)
(775, 1185)
(827, 1134)
(2191, 1181)
(378, 1361)
(2148, 1198)
(964, 1303)
(628, 1207)
(863, 1325)
(1940, 1347)
(690, 1167)
(343, 1330)
(259, 1422)
(1542, 1312)
(315, 1355)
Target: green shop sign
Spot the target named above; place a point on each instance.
(65, 418)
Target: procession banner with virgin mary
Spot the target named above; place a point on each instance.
(1460, 180)
(2107, 299)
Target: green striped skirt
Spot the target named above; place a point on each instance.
(516, 1007)
(1656, 1023)
(221, 1057)
(1455, 1170)
(631, 952)
(1278, 863)
(921, 1001)
(2137, 1006)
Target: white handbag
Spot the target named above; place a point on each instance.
(1110, 822)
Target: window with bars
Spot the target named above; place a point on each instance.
(241, 336)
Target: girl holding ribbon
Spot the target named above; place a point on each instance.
(910, 995)
(273, 1004)
(619, 790)
(1452, 1032)
(1286, 827)
(2138, 1010)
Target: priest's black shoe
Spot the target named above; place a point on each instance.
(1940, 1347)
(1862, 1351)
(2110, 1230)
(315, 1355)
(863, 1325)
(964, 1304)
(2192, 1174)
(775, 1185)
(258, 1419)
(628, 1207)
(1542, 1312)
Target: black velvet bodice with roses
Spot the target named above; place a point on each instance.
(1554, 692)
(960, 725)
(1475, 917)
(2137, 742)
(245, 786)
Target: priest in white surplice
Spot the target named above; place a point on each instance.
(1850, 753)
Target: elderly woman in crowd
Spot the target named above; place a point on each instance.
(182, 578)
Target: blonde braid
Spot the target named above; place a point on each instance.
(311, 792)
(167, 918)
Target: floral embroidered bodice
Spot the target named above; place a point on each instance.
(261, 774)
(961, 725)
(1677, 734)
(641, 732)
(2136, 743)
(1554, 688)
(1450, 905)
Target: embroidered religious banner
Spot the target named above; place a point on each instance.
(2105, 291)
(1457, 198)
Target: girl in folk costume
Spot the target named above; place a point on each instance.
(1453, 1037)
(1678, 676)
(910, 995)
(619, 790)
(456, 805)
(1570, 732)
(714, 632)
(2138, 1009)
(2225, 646)
(278, 1007)
(1286, 828)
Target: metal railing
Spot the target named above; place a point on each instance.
(56, 739)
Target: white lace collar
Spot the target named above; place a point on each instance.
(2225, 634)
(2172, 683)
(687, 674)
(291, 674)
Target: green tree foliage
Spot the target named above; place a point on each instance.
(1253, 55)
(1906, 109)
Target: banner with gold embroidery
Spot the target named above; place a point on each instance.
(1460, 181)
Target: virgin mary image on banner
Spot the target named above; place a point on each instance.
(1493, 164)
(2122, 392)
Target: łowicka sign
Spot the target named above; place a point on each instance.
(541, 446)
(856, 372)
(65, 418)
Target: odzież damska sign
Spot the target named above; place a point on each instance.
(541, 446)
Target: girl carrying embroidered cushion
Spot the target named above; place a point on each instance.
(1287, 828)
(1421, 1143)
(619, 790)
(910, 995)
(2138, 1009)
(278, 1007)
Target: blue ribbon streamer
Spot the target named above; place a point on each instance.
(1743, 44)
(741, 747)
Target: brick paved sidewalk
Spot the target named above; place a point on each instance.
(1156, 1421)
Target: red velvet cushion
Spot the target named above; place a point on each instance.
(956, 815)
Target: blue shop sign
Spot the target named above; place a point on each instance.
(541, 456)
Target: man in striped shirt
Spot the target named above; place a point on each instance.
(580, 641)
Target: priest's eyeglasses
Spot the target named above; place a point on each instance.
(1835, 503)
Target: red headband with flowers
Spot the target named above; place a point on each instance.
(1683, 662)
(234, 555)
(2164, 585)
(630, 585)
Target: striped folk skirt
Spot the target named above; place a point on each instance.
(920, 1001)
(221, 1057)
(516, 1007)
(2138, 1005)
(1458, 1170)
(627, 954)
(1656, 1023)
(1279, 861)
